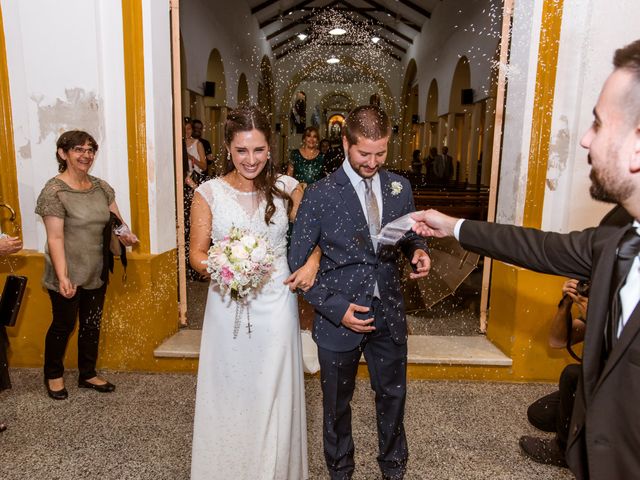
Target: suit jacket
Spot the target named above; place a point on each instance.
(331, 216)
(604, 439)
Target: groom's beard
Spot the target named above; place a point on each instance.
(365, 172)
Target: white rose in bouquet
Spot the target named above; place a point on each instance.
(238, 252)
(259, 253)
(249, 241)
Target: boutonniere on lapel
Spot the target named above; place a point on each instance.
(396, 188)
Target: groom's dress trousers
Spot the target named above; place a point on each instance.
(604, 437)
(338, 213)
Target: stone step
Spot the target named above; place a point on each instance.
(423, 349)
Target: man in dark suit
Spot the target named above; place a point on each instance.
(443, 167)
(359, 307)
(604, 438)
(196, 133)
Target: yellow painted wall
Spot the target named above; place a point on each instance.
(139, 314)
(522, 306)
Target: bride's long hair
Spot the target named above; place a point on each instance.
(245, 119)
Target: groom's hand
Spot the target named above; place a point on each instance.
(421, 264)
(352, 323)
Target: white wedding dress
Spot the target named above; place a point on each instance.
(250, 419)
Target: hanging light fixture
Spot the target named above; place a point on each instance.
(302, 36)
(333, 60)
(375, 39)
(337, 31)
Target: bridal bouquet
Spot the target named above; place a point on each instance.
(240, 263)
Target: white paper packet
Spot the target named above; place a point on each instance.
(395, 230)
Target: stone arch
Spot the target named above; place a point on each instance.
(334, 102)
(461, 80)
(215, 74)
(266, 72)
(295, 80)
(431, 110)
(384, 91)
(243, 90)
(410, 109)
(431, 137)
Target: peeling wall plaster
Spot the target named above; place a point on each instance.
(78, 110)
(558, 153)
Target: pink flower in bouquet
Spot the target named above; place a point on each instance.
(240, 263)
(226, 274)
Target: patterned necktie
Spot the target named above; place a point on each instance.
(373, 212)
(628, 249)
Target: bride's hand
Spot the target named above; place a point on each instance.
(303, 278)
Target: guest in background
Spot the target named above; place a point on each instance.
(428, 163)
(332, 156)
(196, 157)
(552, 413)
(443, 167)
(8, 245)
(194, 165)
(306, 164)
(196, 132)
(416, 163)
(75, 208)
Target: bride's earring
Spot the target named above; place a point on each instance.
(269, 155)
(228, 155)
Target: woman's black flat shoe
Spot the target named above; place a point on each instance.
(56, 394)
(104, 388)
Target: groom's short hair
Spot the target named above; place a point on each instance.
(368, 121)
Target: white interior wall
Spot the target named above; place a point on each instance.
(159, 124)
(66, 71)
(591, 32)
(229, 27)
(456, 28)
(521, 81)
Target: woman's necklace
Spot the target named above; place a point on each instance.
(309, 154)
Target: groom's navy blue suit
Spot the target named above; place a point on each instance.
(331, 216)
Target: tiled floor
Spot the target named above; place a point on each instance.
(456, 430)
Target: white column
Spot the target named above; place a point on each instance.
(159, 125)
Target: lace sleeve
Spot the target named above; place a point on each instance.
(286, 183)
(206, 190)
(108, 191)
(49, 203)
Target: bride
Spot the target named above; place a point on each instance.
(250, 410)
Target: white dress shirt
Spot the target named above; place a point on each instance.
(358, 184)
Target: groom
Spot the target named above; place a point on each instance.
(357, 298)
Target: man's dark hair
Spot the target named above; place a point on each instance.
(628, 58)
(368, 121)
(195, 120)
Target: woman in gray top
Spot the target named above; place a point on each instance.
(75, 208)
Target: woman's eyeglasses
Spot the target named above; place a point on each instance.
(83, 150)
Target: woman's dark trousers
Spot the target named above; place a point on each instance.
(87, 306)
